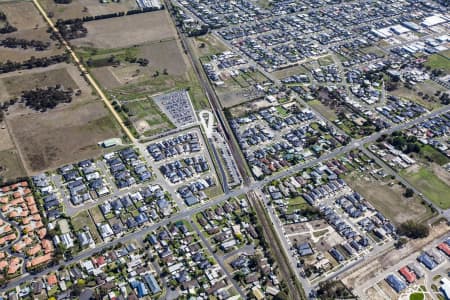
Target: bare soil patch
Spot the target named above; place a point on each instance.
(47, 140)
(128, 31)
(30, 26)
(106, 78)
(22, 15)
(10, 165)
(164, 55)
(5, 140)
(81, 8)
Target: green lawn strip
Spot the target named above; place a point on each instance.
(439, 61)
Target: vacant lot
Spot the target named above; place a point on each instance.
(439, 61)
(427, 87)
(22, 15)
(390, 201)
(63, 135)
(128, 31)
(207, 45)
(12, 84)
(323, 110)
(147, 118)
(81, 8)
(10, 165)
(296, 70)
(433, 187)
(83, 220)
(30, 25)
(164, 55)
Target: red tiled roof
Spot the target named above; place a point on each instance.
(409, 276)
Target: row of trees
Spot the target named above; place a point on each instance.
(115, 61)
(12, 42)
(33, 62)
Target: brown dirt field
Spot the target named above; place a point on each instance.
(161, 55)
(47, 140)
(5, 140)
(30, 25)
(22, 15)
(93, 8)
(10, 165)
(20, 55)
(128, 31)
(164, 55)
(390, 201)
(12, 84)
(105, 77)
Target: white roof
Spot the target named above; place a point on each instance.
(445, 287)
(433, 20)
(399, 29)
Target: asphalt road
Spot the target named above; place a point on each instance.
(187, 213)
(219, 260)
(249, 185)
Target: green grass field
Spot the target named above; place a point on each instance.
(326, 60)
(416, 296)
(428, 151)
(323, 110)
(439, 61)
(297, 204)
(431, 186)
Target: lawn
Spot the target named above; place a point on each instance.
(428, 151)
(416, 296)
(328, 113)
(430, 185)
(439, 61)
(297, 203)
(326, 60)
(282, 111)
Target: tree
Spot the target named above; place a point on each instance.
(333, 290)
(281, 296)
(413, 230)
(400, 243)
(408, 193)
